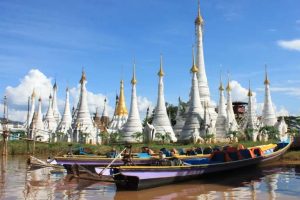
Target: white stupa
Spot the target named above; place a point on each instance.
(161, 121)
(251, 118)
(232, 124)
(65, 125)
(192, 125)
(222, 115)
(268, 114)
(104, 112)
(121, 113)
(37, 127)
(133, 124)
(56, 113)
(83, 127)
(180, 119)
(202, 78)
(32, 108)
(50, 121)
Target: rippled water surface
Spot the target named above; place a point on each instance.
(273, 182)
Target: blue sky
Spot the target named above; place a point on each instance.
(59, 38)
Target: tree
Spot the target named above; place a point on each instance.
(270, 130)
(104, 137)
(163, 137)
(249, 133)
(115, 137)
(172, 111)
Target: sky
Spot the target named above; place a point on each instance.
(44, 41)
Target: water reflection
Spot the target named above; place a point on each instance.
(275, 182)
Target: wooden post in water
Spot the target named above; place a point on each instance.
(5, 132)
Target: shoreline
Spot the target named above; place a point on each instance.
(56, 149)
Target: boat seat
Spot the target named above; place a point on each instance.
(197, 161)
(256, 151)
(281, 145)
(217, 156)
(245, 153)
(143, 155)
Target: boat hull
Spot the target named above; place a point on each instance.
(142, 177)
(91, 162)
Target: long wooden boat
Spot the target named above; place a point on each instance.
(141, 177)
(90, 162)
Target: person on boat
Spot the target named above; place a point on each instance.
(191, 152)
(112, 153)
(147, 150)
(174, 151)
(162, 161)
(174, 161)
(207, 150)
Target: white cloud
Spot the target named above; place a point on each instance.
(239, 93)
(143, 104)
(33, 80)
(94, 100)
(282, 112)
(293, 91)
(290, 44)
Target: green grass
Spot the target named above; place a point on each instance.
(60, 148)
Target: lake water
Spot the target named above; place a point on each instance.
(272, 182)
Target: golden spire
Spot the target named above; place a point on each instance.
(121, 109)
(83, 77)
(194, 68)
(249, 91)
(221, 88)
(160, 72)
(33, 94)
(228, 88)
(133, 80)
(266, 82)
(199, 20)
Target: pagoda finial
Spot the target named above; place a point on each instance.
(249, 91)
(221, 88)
(266, 82)
(83, 77)
(161, 72)
(55, 85)
(121, 108)
(228, 88)
(33, 94)
(133, 80)
(199, 20)
(194, 68)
